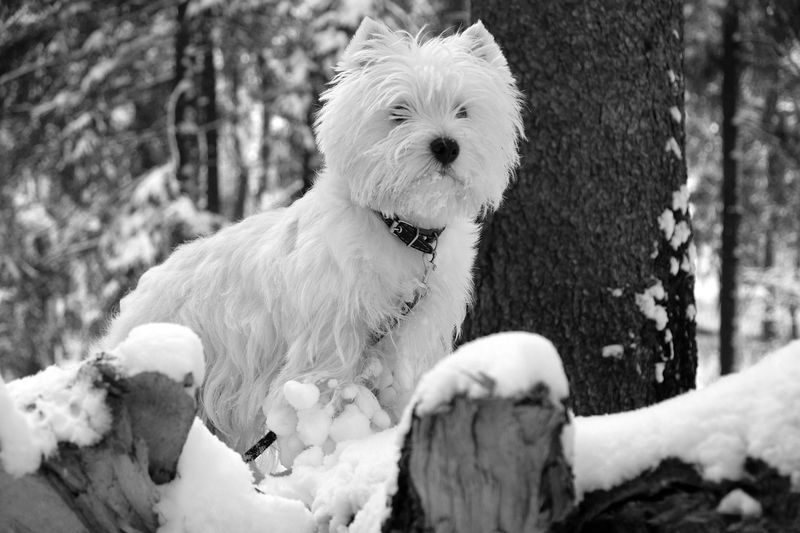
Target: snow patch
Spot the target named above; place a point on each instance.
(18, 455)
(666, 222)
(59, 404)
(682, 234)
(613, 350)
(689, 263)
(648, 305)
(674, 266)
(329, 412)
(350, 489)
(675, 113)
(673, 79)
(170, 349)
(504, 364)
(672, 146)
(738, 502)
(213, 491)
(660, 372)
(680, 199)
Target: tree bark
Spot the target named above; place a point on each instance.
(577, 242)
(494, 464)
(731, 214)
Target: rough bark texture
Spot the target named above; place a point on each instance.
(578, 235)
(673, 498)
(495, 464)
(109, 487)
(731, 214)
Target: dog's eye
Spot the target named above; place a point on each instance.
(400, 113)
(462, 112)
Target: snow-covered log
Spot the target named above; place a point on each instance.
(488, 444)
(724, 458)
(83, 448)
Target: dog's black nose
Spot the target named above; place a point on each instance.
(444, 149)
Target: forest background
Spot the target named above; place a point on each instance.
(129, 127)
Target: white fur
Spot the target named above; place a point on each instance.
(296, 293)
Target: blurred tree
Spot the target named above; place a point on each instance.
(730, 190)
(592, 246)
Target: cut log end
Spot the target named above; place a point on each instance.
(493, 464)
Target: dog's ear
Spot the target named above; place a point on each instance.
(480, 43)
(369, 33)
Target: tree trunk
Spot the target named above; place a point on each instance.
(731, 214)
(185, 127)
(595, 224)
(265, 151)
(208, 99)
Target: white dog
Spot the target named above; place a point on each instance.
(374, 262)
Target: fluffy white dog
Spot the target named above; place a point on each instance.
(374, 262)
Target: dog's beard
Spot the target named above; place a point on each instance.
(405, 180)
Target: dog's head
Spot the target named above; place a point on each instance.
(422, 129)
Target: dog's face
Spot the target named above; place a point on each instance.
(422, 130)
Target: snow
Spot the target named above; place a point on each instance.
(504, 364)
(314, 425)
(680, 199)
(660, 372)
(738, 502)
(742, 415)
(301, 395)
(213, 491)
(59, 404)
(674, 266)
(673, 79)
(689, 263)
(18, 455)
(353, 485)
(329, 412)
(351, 424)
(672, 146)
(170, 349)
(675, 113)
(682, 234)
(613, 350)
(648, 305)
(666, 222)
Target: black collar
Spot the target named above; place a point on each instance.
(421, 239)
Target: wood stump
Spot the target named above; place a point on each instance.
(484, 465)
